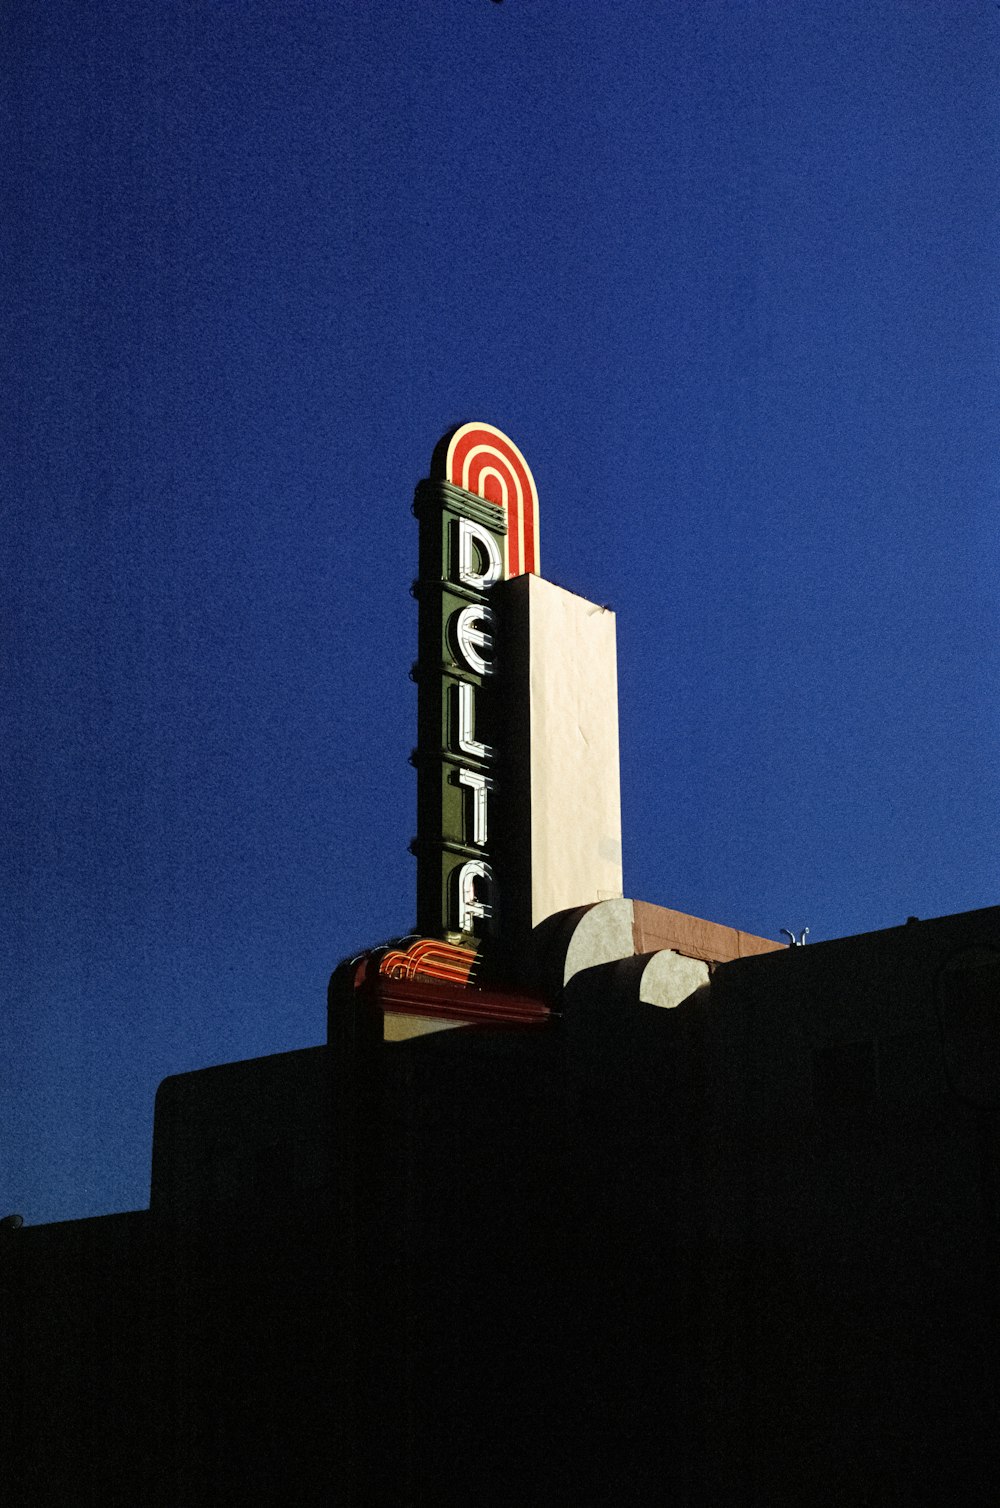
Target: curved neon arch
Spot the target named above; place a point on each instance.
(485, 461)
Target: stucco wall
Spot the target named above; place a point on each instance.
(565, 704)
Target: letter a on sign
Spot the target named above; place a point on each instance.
(470, 905)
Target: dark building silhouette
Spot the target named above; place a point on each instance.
(739, 1251)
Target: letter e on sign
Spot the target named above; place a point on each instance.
(472, 639)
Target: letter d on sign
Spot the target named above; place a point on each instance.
(470, 535)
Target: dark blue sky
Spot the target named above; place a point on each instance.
(728, 275)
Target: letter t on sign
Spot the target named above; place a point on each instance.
(479, 785)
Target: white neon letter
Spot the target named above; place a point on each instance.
(471, 639)
(466, 743)
(469, 536)
(469, 905)
(479, 785)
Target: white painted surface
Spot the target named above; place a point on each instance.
(602, 935)
(575, 799)
(669, 979)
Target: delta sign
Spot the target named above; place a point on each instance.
(478, 515)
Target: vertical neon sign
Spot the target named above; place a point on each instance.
(478, 525)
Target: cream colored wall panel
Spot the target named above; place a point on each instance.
(565, 795)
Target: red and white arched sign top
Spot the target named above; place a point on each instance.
(482, 460)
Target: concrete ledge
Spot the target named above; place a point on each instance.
(587, 937)
(657, 927)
